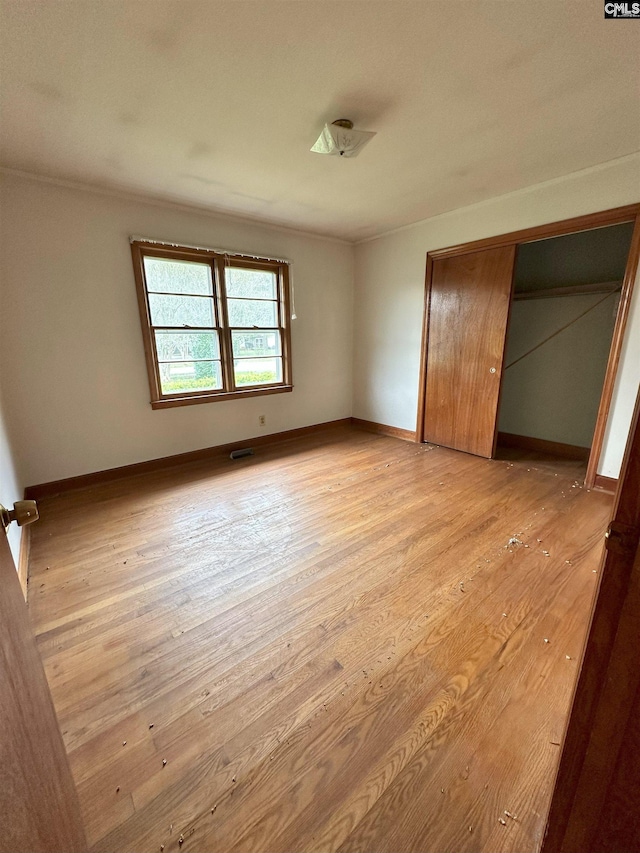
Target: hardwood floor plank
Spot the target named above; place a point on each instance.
(465, 648)
(511, 687)
(313, 640)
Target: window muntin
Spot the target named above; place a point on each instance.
(214, 326)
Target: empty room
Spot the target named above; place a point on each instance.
(319, 426)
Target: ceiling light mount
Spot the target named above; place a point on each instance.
(339, 138)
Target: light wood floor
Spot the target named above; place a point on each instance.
(331, 645)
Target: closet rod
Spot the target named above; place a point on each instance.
(572, 290)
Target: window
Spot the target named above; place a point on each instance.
(215, 327)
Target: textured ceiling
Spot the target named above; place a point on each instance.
(217, 104)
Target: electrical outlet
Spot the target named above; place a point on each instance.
(262, 420)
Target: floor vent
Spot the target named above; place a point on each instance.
(238, 454)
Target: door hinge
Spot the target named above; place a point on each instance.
(622, 538)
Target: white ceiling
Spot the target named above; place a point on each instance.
(217, 103)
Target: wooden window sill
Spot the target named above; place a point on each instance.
(192, 400)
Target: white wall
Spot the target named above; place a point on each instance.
(76, 390)
(554, 392)
(11, 490)
(389, 286)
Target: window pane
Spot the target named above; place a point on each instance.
(179, 346)
(257, 371)
(244, 312)
(177, 276)
(189, 376)
(253, 344)
(250, 284)
(180, 310)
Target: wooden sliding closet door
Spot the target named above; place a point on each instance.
(469, 304)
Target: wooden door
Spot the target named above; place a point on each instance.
(596, 798)
(39, 809)
(469, 303)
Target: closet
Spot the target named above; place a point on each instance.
(566, 293)
(522, 331)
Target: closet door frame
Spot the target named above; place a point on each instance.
(614, 216)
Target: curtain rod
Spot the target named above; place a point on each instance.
(135, 239)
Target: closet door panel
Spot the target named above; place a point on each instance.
(468, 315)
